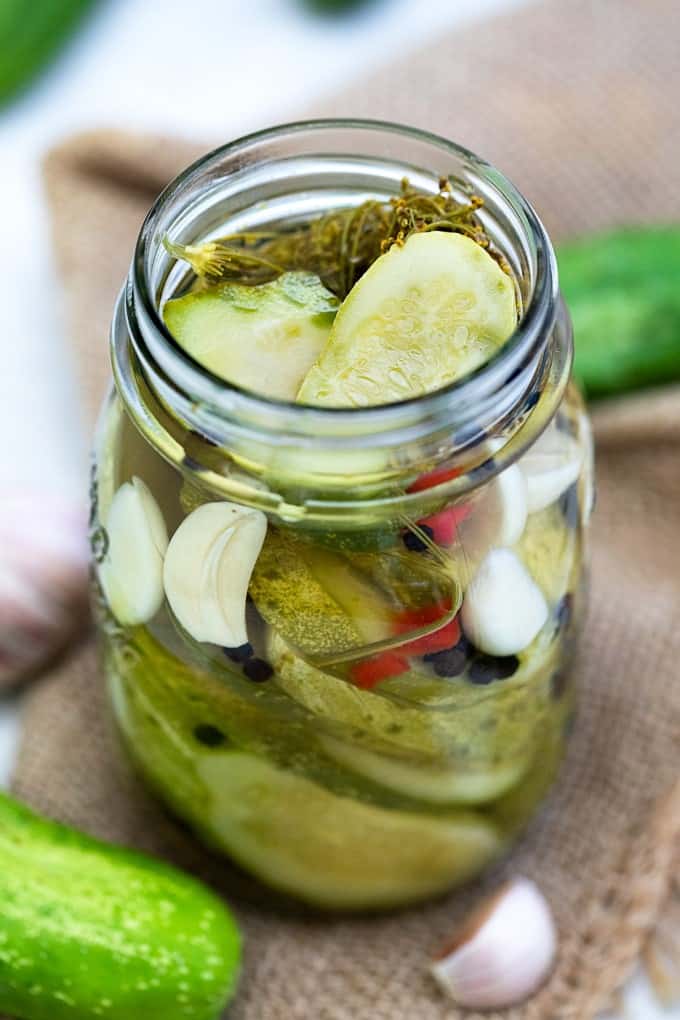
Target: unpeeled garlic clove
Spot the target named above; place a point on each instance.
(503, 954)
(131, 574)
(503, 608)
(207, 570)
(550, 466)
(43, 578)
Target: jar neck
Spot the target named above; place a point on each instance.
(293, 174)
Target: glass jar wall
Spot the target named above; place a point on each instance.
(337, 640)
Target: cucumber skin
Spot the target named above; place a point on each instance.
(622, 291)
(30, 35)
(89, 930)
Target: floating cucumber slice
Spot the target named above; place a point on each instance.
(463, 785)
(422, 315)
(315, 598)
(263, 338)
(444, 724)
(332, 851)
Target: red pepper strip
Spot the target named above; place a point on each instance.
(444, 524)
(413, 619)
(432, 478)
(370, 672)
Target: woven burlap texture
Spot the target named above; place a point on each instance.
(541, 92)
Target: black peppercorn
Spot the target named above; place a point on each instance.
(485, 669)
(414, 542)
(240, 654)
(258, 670)
(452, 661)
(209, 735)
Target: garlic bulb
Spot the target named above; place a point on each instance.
(504, 952)
(131, 574)
(43, 578)
(551, 465)
(207, 570)
(503, 609)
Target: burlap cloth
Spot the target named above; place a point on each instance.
(579, 103)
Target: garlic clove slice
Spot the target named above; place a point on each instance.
(504, 952)
(551, 465)
(503, 608)
(131, 574)
(207, 570)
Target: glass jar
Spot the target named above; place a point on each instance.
(395, 703)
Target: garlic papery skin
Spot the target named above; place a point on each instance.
(131, 574)
(503, 608)
(550, 467)
(503, 954)
(44, 560)
(207, 571)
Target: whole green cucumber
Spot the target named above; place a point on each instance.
(89, 930)
(30, 34)
(623, 291)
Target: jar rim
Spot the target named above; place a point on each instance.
(159, 351)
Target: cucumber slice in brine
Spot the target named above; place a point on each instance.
(332, 851)
(423, 315)
(262, 338)
(463, 784)
(315, 598)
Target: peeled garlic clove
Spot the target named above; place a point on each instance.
(551, 465)
(43, 578)
(131, 574)
(503, 953)
(207, 570)
(511, 497)
(503, 608)
(500, 515)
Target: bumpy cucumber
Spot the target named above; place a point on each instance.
(30, 34)
(89, 930)
(623, 295)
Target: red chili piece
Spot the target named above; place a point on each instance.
(439, 640)
(370, 672)
(444, 524)
(432, 478)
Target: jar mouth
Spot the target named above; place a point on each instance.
(187, 199)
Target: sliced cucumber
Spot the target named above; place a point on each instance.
(332, 851)
(465, 784)
(263, 338)
(443, 725)
(422, 315)
(315, 598)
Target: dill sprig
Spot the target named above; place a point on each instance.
(339, 246)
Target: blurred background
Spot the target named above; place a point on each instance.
(206, 73)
